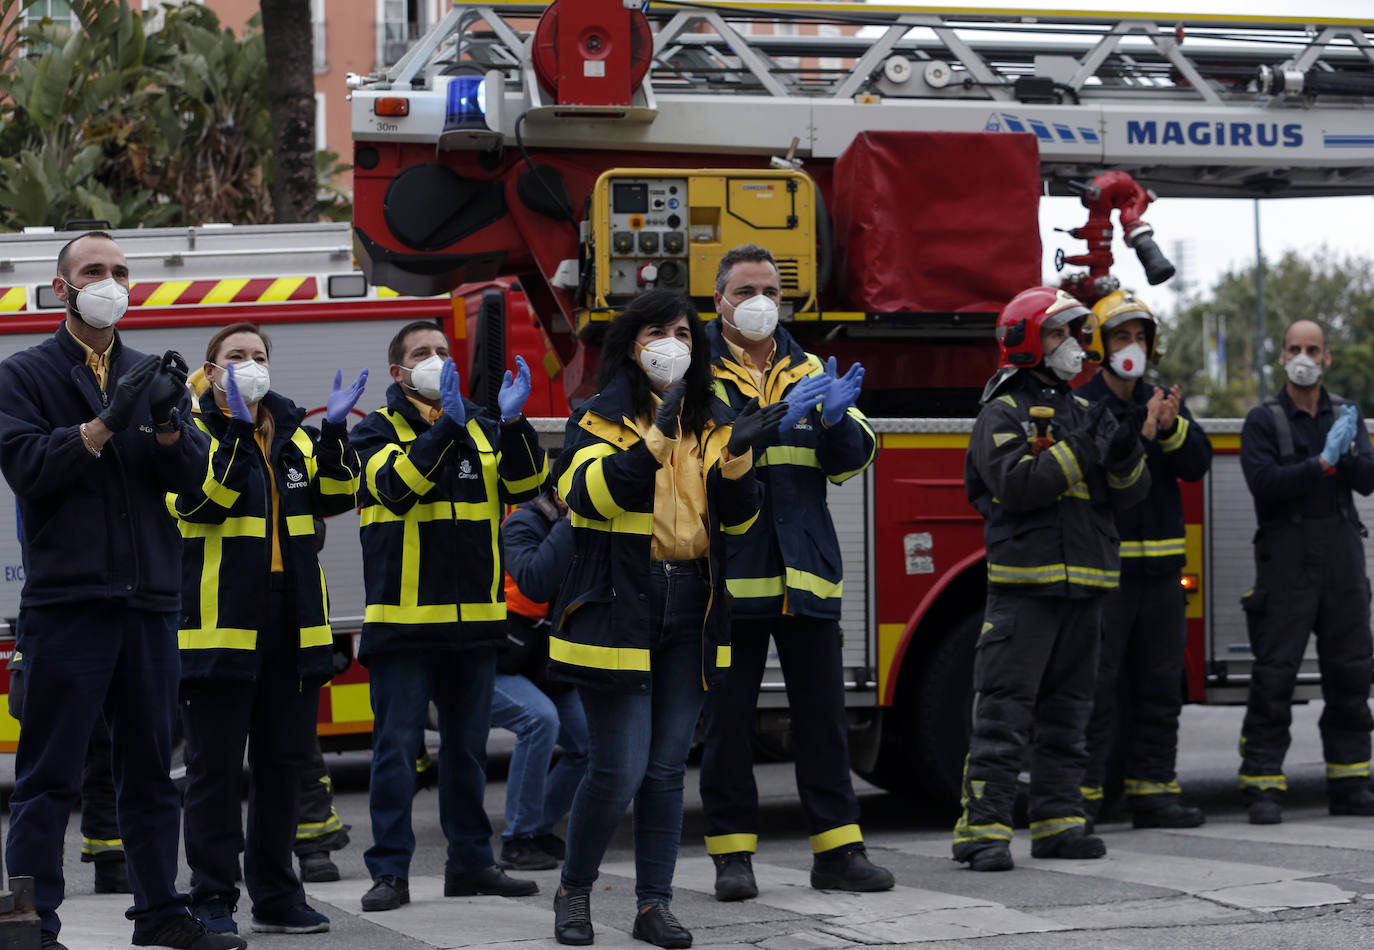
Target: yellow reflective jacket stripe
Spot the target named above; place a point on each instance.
(1126, 481)
(597, 657)
(1161, 547)
(1174, 442)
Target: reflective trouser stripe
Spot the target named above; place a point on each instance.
(1335, 770)
(1091, 793)
(993, 832)
(95, 846)
(1135, 786)
(318, 829)
(1279, 782)
(836, 838)
(728, 844)
(1050, 827)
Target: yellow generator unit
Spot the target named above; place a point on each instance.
(667, 229)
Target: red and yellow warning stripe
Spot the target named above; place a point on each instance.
(167, 293)
(12, 299)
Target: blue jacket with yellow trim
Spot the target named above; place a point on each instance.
(91, 528)
(1153, 538)
(431, 503)
(789, 561)
(601, 618)
(1048, 525)
(227, 555)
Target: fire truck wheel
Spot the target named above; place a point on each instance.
(942, 712)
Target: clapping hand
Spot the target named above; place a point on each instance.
(238, 409)
(1168, 410)
(451, 394)
(167, 387)
(842, 392)
(665, 420)
(120, 412)
(515, 389)
(754, 425)
(802, 398)
(1339, 436)
(341, 401)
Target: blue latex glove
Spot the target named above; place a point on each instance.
(1353, 446)
(341, 401)
(238, 409)
(842, 393)
(514, 390)
(451, 394)
(1339, 436)
(802, 398)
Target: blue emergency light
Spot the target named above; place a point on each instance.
(467, 103)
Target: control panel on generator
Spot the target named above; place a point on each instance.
(666, 229)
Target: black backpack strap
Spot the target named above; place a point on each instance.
(1283, 431)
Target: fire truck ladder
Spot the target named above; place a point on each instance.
(1189, 104)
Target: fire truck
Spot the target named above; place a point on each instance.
(892, 158)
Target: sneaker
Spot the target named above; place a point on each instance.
(387, 893)
(112, 877)
(572, 916)
(318, 868)
(551, 845)
(48, 941)
(216, 915)
(185, 932)
(986, 856)
(735, 876)
(656, 924)
(1265, 811)
(490, 880)
(847, 868)
(522, 854)
(301, 919)
(1171, 813)
(1359, 802)
(1074, 845)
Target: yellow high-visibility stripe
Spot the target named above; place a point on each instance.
(1163, 547)
(993, 832)
(619, 659)
(487, 457)
(1175, 441)
(1126, 481)
(858, 417)
(1350, 770)
(1055, 826)
(1278, 782)
(755, 586)
(429, 511)
(217, 638)
(1043, 574)
(741, 528)
(836, 838)
(299, 525)
(318, 829)
(317, 636)
(1000, 439)
(1135, 786)
(245, 526)
(1062, 454)
(212, 558)
(1008, 400)
(224, 291)
(338, 486)
(218, 492)
(788, 455)
(598, 492)
(723, 656)
(433, 613)
(13, 299)
(631, 522)
(1091, 793)
(1093, 577)
(166, 293)
(814, 584)
(409, 474)
(281, 289)
(729, 844)
(101, 845)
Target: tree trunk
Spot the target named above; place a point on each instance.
(290, 42)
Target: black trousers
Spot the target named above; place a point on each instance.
(1034, 673)
(1140, 687)
(809, 651)
(274, 715)
(100, 839)
(319, 827)
(1310, 577)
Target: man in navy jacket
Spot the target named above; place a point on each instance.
(92, 437)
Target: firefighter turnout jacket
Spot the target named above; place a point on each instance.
(789, 561)
(1152, 533)
(227, 548)
(431, 503)
(1048, 523)
(601, 635)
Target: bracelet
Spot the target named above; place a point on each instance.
(86, 441)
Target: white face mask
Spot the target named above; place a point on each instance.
(1128, 362)
(424, 376)
(252, 379)
(665, 361)
(1303, 370)
(755, 317)
(1066, 361)
(100, 303)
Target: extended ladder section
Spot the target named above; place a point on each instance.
(1188, 104)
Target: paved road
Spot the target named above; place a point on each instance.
(1306, 883)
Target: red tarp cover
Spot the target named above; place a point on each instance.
(937, 221)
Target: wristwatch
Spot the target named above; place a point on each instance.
(173, 424)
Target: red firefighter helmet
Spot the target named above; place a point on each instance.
(1019, 325)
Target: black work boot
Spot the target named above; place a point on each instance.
(1075, 844)
(847, 868)
(1266, 807)
(317, 867)
(735, 876)
(984, 855)
(572, 916)
(1092, 807)
(112, 877)
(1350, 797)
(1166, 812)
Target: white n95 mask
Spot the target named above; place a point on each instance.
(424, 376)
(100, 303)
(1128, 362)
(1303, 370)
(252, 379)
(1066, 361)
(755, 317)
(665, 361)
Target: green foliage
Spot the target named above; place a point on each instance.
(1336, 291)
(118, 121)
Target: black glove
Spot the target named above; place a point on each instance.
(754, 426)
(120, 412)
(167, 387)
(1087, 441)
(666, 419)
(1126, 436)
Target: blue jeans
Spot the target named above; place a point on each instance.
(536, 798)
(639, 743)
(403, 683)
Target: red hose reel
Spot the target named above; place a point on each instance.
(592, 52)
